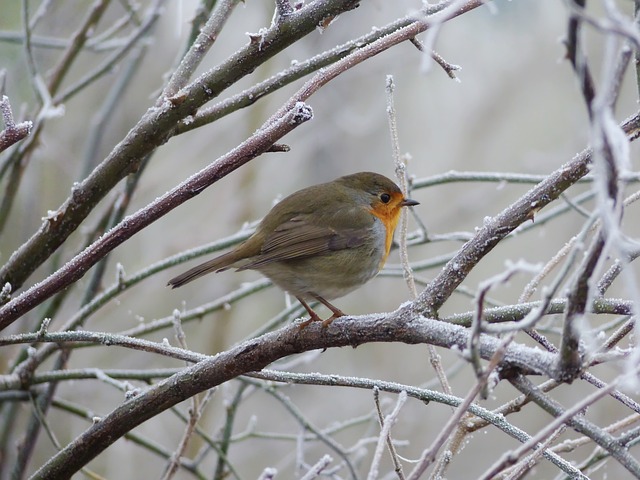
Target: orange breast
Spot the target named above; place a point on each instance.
(389, 214)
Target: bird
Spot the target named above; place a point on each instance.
(319, 243)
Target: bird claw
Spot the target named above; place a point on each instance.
(328, 321)
(313, 316)
(316, 318)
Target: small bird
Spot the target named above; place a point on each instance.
(321, 242)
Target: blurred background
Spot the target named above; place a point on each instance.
(515, 108)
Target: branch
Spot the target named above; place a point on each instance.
(493, 417)
(300, 69)
(570, 360)
(578, 422)
(255, 354)
(576, 56)
(78, 40)
(495, 229)
(199, 48)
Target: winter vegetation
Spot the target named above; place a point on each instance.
(139, 137)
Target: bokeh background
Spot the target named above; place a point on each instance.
(515, 108)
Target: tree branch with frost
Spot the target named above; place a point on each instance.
(572, 418)
(158, 125)
(257, 353)
(495, 417)
(610, 155)
(385, 436)
(198, 50)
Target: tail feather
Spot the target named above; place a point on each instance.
(217, 264)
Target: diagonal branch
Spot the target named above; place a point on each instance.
(199, 48)
(570, 359)
(578, 422)
(125, 157)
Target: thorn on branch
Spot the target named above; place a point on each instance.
(325, 22)
(178, 99)
(258, 38)
(12, 132)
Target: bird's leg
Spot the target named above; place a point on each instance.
(335, 310)
(313, 316)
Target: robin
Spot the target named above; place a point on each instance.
(321, 242)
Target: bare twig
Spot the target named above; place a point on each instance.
(401, 174)
(320, 435)
(497, 419)
(199, 48)
(576, 55)
(152, 130)
(428, 456)
(570, 361)
(78, 39)
(223, 463)
(385, 436)
(449, 68)
(317, 468)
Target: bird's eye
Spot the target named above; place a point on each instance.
(385, 197)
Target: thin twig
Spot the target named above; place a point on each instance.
(199, 48)
(385, 436)
(429, 454)
(496, 419)
(449, 68)
(571, 418)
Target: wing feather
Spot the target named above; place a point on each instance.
(297, 239)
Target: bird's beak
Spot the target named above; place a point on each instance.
(407, 202)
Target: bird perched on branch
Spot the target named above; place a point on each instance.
(321, 242)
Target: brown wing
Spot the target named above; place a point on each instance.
(296, 238)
